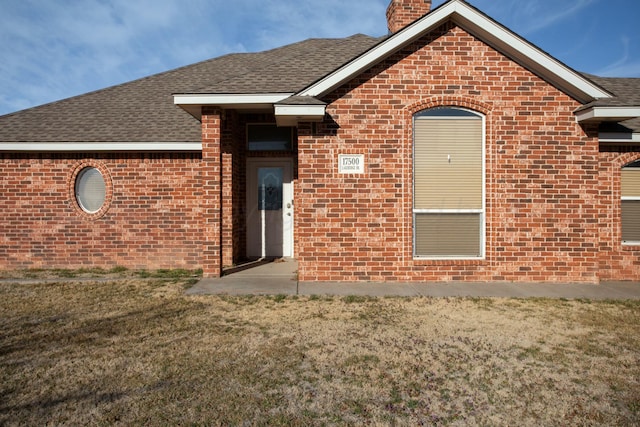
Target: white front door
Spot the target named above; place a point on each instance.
(269, 208)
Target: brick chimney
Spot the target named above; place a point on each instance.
(401, 13)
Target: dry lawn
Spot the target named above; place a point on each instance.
(137, 351)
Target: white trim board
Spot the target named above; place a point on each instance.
(230, 99)
(98, 146)
(193, 103)
(290, 115)
(608, 113)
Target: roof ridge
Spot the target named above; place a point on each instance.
(276, 59)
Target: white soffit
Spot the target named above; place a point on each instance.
(614, 114)
(230, 99)
(99, 146)
(291, 115)
(311, 111)
(482, 27)
(193, 103)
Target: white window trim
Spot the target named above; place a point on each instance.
(482, 212)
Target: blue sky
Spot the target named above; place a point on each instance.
(54, 49)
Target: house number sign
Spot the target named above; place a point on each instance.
(351, 163)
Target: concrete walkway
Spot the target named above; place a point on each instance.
(279, 278)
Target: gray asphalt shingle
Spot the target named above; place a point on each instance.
(143, 110)
(627, 94)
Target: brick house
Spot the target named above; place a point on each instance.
(451, 149)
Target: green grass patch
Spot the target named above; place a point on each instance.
(357, 299)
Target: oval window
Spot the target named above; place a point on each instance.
(91, 190)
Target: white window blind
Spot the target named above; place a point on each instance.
(90, 190)
(631, 203)
(448, 184)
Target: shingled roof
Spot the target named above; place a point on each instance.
(143, 110)
(626, 93)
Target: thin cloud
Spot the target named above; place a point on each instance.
(52, 52)
(625, 65)
(275, 23)
(630, 69)
(547, 13)
(529, 16)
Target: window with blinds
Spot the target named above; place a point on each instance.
(631, 203)
(90, 190)
(448, 203)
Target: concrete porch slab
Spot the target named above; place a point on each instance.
(264, 277)
(273, 277)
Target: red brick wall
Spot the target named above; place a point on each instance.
(151, 221)
(212, 188)
(542, 174)
(233, 183)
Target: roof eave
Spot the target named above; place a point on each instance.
(291, 115)
(193, 103)
(483, 27)
(53, 147)
(609, 114)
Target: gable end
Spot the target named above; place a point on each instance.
(481, 26)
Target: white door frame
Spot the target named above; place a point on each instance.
(286, 163)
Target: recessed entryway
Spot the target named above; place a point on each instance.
(269, 208)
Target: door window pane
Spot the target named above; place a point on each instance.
(270, 189)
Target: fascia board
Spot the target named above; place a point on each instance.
(291, 115)
(250, 99)
(608, 113)
(379, 52)
(300, 110)
(492, 33)
(193, 103)
(528, 55)
(98, 146)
